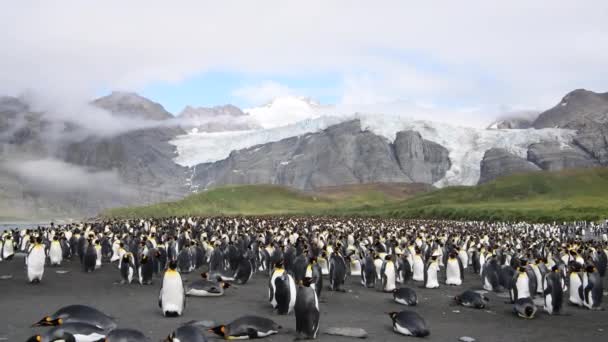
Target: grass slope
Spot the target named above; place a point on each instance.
(539, 196)
(268, 200)
(568, 195)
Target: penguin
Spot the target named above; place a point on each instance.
(36, 259)
(368, 272)
(187, 333)
(524, 307)
(322, 260)
(553, 291)
(471, 299)
(77, 331)
(244, 271)
(520, 286)
(575, 286)
(8, 248)
(145, 271)
(247, 327)
(378, 262)
(489, 275)
(127, 268)
(405, 296)
(409, 323)
(307, 311)
(184, 260)
(122, 335)
(404, 270)
(206, 288)
(337, 272)
(89, 257)
(454, 270)
(388, 271)
(78, 314)
(593, 290)
(55, 252)
(430, 274)
(285, 293)
(172, 297)
(418, 267)
(313, 271)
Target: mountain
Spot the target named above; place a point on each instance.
(216, 119)
(53, 166)
(579, 109)
(132, 105)
(340, 154)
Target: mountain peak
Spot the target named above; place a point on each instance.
(578, 108)
(132, 104)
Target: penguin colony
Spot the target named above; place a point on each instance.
(557, 264)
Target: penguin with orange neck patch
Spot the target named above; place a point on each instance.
(36, 259)
(247, 327)
(172, 298)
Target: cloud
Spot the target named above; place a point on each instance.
(263, 92)
(518, 53)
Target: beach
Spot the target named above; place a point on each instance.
(136, 306)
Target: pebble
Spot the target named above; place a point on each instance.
(466, 339)
(348, 332)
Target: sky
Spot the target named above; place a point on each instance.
(448, 60)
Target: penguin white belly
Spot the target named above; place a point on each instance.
(389, 274)
(523, 289)
(204, 293)
(35, 264)
(378, 266)
(172, 294)
(7, 249)
(452, 273)
(324, 266)
(418, 269)
(293, 294)
(549, 303)
(55, 253)
(464, 258)
(402, 330)
(575, 283)
(538, 277)
(98, 260)
(432, 282)
(88, 338)
(355, 267)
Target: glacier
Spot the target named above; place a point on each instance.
(466, 145)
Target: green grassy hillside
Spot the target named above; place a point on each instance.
(272, 200)
(539, 196)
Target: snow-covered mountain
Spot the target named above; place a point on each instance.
(466, 146)
(216, 119)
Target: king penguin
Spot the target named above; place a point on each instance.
(172, 298)
(127, 268)
(430, 274)
(90, 257)
(368, 272)
(409, 323)
(593, 289)
(575, 286)
(520, 286)
(247, 327)
(418, 266)
(454, 270)
(146, 270)
(307, 311)
(35, 262)
(55, 252)
(388, 272)
(553, 291)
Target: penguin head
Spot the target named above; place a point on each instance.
(393, 315)
(48, 322)
(173, 265)
(219, 330)
(204, 275)
(225, 285)
(590, 269)
(35, 338)
(529, 311)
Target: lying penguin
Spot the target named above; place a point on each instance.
(472, 299)
(207, 288)
(405, 296)
(409, 323)
(78, 314)
(247, 327)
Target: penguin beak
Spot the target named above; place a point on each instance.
(45, 322)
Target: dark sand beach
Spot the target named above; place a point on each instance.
(135, 306)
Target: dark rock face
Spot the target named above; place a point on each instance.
(422, 160)
(498, 162)
(594, 141)
(341, 154)
(577, 110)
(550, 156)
